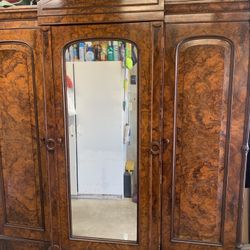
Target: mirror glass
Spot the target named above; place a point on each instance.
(101, 86)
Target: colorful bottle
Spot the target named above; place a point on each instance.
(98, 52)
(95, 48)
(75, 52)
(129, 62)
(67, 55)
(81, 51)
(90, 56)
(104, 51)
(71, 53)
(110, 52)
(116, 50)
(122, 54)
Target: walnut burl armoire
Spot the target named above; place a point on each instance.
(193, 109)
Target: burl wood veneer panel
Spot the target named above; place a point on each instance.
(202, 111)
(19, 148)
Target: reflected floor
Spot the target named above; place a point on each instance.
(114, 219)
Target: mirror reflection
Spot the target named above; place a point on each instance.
(101, 86)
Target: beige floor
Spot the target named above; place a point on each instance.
(114, 219)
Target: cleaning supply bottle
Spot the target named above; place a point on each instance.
(104, 51)
(81, 51)
(99, 52)
(90, 56)
(116, 50)
(67, 57)
(110, 52)
(129, 61)
(75, 52)
(122, 54)
(71, 54)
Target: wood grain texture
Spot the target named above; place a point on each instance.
(24, 209)
(104, 11)
(143, 35)
(21, 244)
(203, 99)
(205, 7)
(189, 2)
(18, 127)
(21, 13)
(157, 30)
(204, 75)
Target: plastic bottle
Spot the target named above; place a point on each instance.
(110, 52)
(104, 51)
(90, 56)
(99, 52)
(75, 52)
(116, 50)
(67, 58)
(71, 53)
(129, 62)
(81, 51)
(122, 54)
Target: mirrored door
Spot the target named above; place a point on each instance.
(108, 116)
(101, 87)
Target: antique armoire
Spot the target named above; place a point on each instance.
(193, 120)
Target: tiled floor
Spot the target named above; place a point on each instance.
(114, 219)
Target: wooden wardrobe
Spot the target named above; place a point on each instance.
(193, 121)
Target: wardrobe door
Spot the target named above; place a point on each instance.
(24, 209)
(108, 120)
(205, 95)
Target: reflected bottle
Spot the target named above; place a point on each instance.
(104, 51)
(90, 56)
(116, 50)
(82, 51)
(110, 52)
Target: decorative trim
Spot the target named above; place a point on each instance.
(111, 4)
(208, 17)
(245, 151)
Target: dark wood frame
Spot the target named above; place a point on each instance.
(175, 13)
(67, 135)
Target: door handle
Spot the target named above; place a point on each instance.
(165, 143)
(50, 144)
(155, 147)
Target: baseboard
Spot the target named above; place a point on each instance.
(97, 196)
(244, 247)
